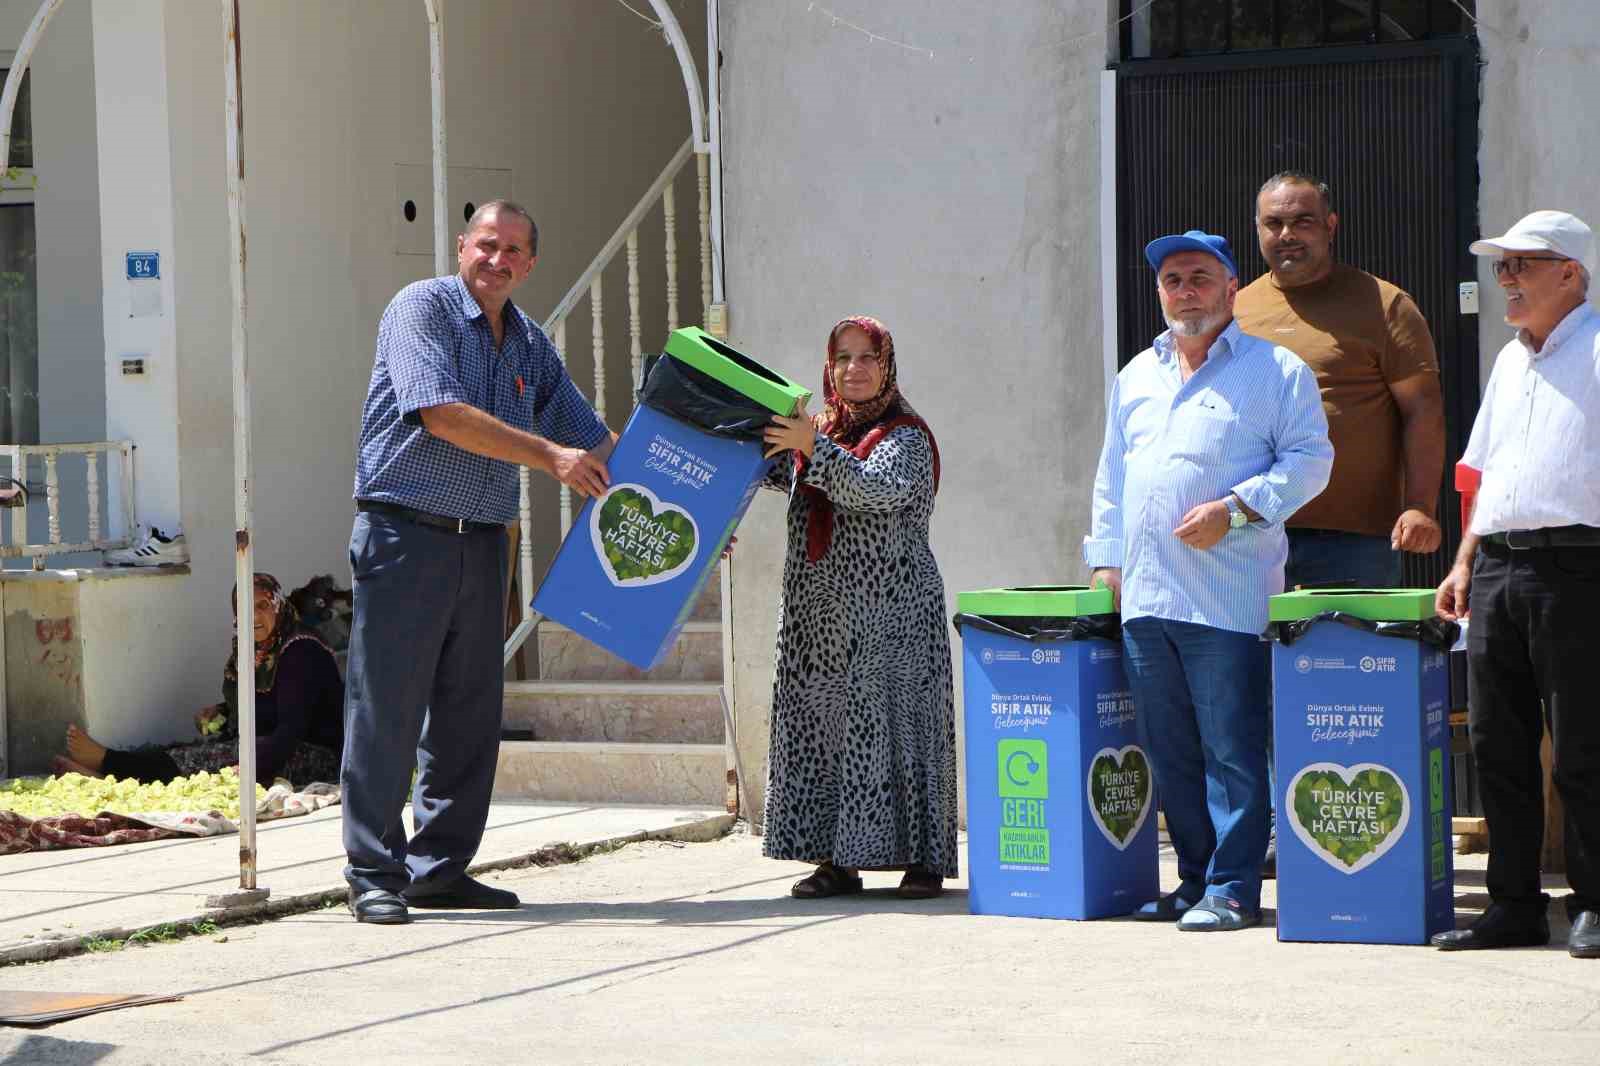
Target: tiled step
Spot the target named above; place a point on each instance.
(617, 712)
(566, 656)
(612, 773)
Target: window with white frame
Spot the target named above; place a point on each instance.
(19, 283)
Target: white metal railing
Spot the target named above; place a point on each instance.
(24, 457)
(590, 283)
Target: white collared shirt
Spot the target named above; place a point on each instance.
(1537, 435)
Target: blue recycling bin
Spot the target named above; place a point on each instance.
(1361, 687)
(631, 567)
(1060, 795)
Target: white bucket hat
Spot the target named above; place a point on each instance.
(1544, 231)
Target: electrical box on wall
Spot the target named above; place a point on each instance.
(1469, 297)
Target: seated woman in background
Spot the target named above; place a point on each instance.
(299, 712)
(863, 761)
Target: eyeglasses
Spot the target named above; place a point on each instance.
(1512, 265)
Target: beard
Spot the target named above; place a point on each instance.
(1200, 321)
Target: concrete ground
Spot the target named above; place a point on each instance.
(679, 953)
(51, 901)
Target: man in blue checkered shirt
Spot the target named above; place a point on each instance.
(465, 389)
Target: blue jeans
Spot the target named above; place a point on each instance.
(1201, 696)
(1332, 558)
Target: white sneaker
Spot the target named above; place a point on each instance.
(151, 548)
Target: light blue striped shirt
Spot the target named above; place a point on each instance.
(1248, 421)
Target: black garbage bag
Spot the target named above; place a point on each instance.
(689, 395)
(1045, 630)
(1435, 632)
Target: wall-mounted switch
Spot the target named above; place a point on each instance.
(1469, 297)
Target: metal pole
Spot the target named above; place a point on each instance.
(714, 121)
(19, 67)
(441, 174)
(244, 552)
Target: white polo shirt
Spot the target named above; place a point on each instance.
(1537, 434)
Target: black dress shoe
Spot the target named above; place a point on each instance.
(378, 907)
(1497, 927)
(1584, 940)
(465, 894)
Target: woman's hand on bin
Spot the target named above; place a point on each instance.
(791, 434)
(1109, 577)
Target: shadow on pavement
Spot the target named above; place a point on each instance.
(48, 1051)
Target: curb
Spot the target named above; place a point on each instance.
(697, 832)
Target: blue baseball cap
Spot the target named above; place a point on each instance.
(1194, 240)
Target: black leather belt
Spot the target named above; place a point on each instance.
(1550, 537)
(423, 518)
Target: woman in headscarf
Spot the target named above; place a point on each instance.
(299, 712)
(862, 772)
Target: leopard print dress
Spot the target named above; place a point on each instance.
(863, 759)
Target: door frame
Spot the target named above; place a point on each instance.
(1461, 61)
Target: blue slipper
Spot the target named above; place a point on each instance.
(1168, 908)
(1218, 914)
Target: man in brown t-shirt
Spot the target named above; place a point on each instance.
(1374, 360)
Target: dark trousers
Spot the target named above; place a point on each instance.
(147, 766)
(424, 690)
(1201, 694)
(1329, 557)
(1530, 642)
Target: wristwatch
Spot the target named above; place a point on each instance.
(1237, 519)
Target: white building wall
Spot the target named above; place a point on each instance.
(1540, 146)
(136, 211)
(956, 197)
(575, 111)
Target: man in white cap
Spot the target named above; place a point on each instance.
(1529, 569)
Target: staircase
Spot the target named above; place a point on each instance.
(592, 728)
(603, 731)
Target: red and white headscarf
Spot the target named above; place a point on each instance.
(858, 427)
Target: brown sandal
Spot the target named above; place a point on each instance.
(826, 880)
(920, 883)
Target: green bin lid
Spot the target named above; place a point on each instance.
(1036, 601)
(699, 349)
(1374, 605)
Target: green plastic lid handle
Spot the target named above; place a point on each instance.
(699, 349)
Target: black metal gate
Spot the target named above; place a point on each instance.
(1394, 130)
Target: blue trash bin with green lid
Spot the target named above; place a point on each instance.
(1361, 687)
(1060, 795)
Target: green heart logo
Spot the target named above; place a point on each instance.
(641, 540)
(1119, 793)
(1349, 816)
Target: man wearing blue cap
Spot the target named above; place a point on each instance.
(1213, 439)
